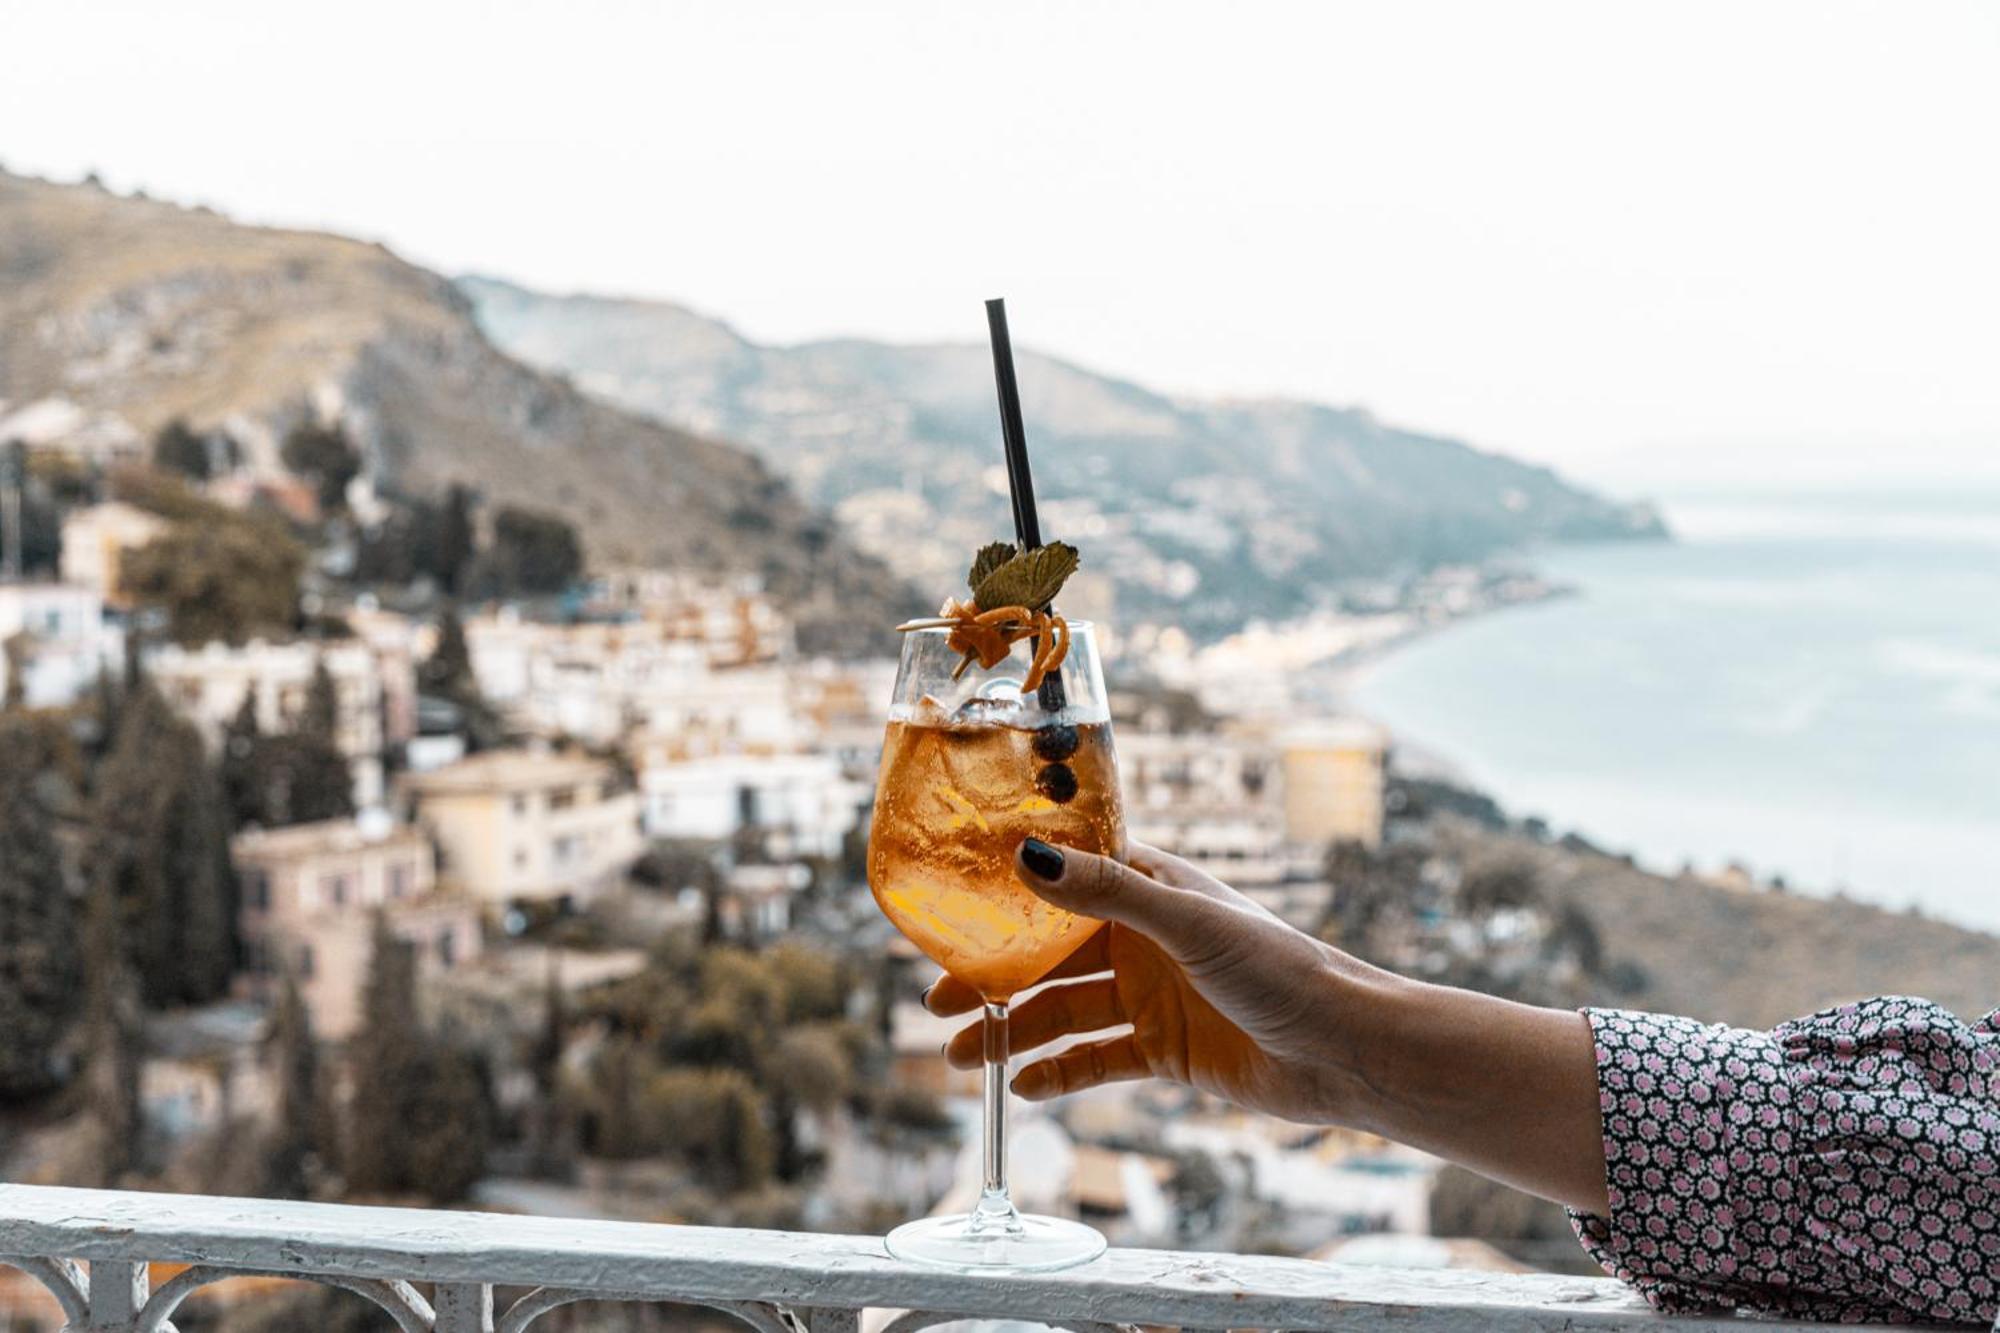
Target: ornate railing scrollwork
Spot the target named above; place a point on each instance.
(65, 1281)
(760, 1315)
(403, 1303)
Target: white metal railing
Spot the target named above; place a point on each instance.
(774, 1281)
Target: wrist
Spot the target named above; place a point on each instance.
(1362, 1071)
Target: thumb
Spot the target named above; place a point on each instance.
(1182, 921)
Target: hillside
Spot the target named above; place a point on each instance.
(1206, 513)
(1748, 958)
(136, 312)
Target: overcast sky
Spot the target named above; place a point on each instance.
(1620, 237)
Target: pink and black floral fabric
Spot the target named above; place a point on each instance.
(1845, 1166)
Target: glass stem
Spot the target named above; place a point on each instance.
(994, 1195)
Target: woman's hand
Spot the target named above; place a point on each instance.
(1223, 996)
(1219, 993)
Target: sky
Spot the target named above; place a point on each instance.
(1634, 240)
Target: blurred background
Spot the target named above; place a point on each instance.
(1538, 467)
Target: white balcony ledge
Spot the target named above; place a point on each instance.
(777, 1282)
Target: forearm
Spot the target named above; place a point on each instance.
(1507, 1090)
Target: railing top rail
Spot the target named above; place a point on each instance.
(838, 1272)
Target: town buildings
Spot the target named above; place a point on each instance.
(310, 896)
(373, 693)
(529, 824)
(55, 635)
(802, 805)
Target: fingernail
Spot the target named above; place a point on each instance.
(1029, 1081)
(1042, 860)
(925, 999)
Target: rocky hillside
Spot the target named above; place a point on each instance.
(1206, 513)
(1746, 957)
(128, 313)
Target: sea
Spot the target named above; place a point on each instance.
(1804, 683)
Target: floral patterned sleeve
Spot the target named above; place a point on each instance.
(1841, 1167)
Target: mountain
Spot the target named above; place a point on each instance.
(1204, 513)
(127, 313)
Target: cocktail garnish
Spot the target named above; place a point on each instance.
(1011, 595)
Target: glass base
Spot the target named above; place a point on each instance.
(995, 1240)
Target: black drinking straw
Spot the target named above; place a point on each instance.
(1020, 482)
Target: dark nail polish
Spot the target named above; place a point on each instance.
(1042, 860)
(925, 998)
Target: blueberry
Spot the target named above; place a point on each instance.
(1057, 782)
(1055, 742)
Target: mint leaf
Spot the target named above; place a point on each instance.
(990, 557)
(1028, 578)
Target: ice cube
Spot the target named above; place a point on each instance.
(992, 707)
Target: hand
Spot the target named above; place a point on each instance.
(1219, 993)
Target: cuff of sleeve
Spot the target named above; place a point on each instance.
(1688, 1108)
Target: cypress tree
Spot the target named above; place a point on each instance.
(321, 718)
(385, 1055)
(41, 979)
(114, 1042)
(454, 540)
(161, 846)
(238, 764)
(300, 1131)
(420, 1121)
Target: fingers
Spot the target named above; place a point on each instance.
(1181, 918)
(1087, 1066)
(949, 996)
(1059, 1011)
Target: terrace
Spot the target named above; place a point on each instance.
(451, 1272)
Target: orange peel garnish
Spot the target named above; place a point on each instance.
(988, 636)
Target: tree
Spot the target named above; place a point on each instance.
(549, 1141)
(241, 789)
(160, 846)
(714, 1119)
(299, 1137)
(447, 674)
(226, 576)
(324, 456)
(321, 718)
(454, 545)
(41, 978)
(533, 552)
(420, 1118)
(15, 651)
(383, 1057)
(40, 520)
(293, 777)
(179, 450)
(114, 1045)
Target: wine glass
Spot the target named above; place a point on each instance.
(971, 766)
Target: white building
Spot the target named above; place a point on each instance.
(210, 683)
(59, 637)
(802, 801)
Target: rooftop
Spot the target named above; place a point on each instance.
(326, 837)
(507, 770)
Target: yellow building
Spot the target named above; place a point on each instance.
(1333, 781)
(95, 541)
(310, 895)
(521, 824)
